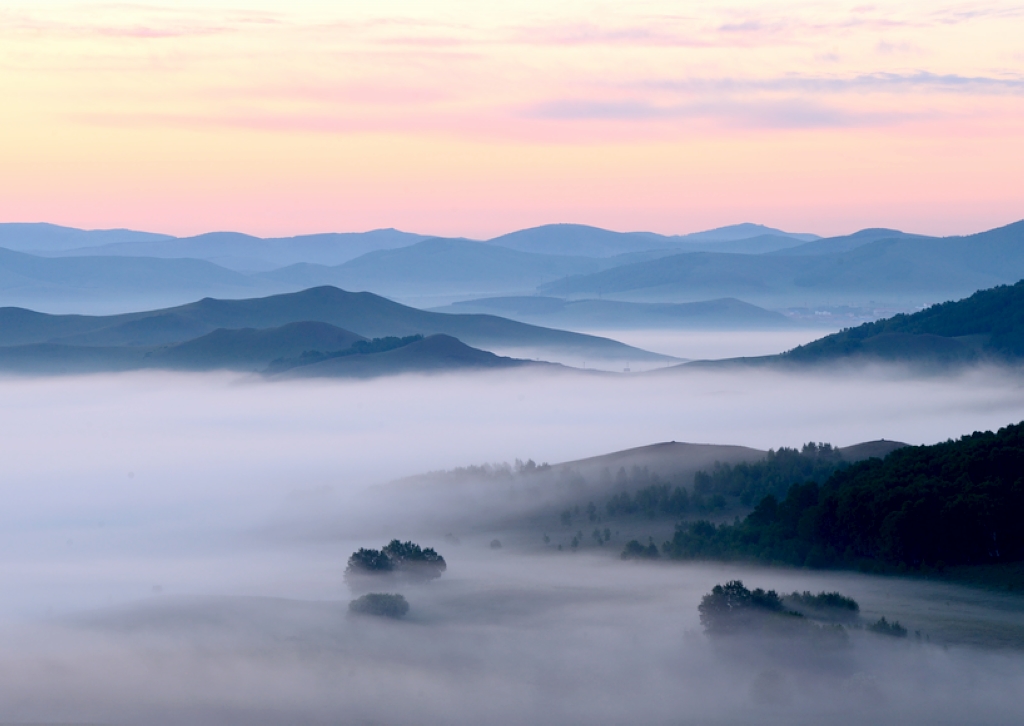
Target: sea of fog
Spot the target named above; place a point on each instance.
(145, 579)
(714, 344)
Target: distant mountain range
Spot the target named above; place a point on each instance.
(886, 266)
(436, 265)
(578, 239)
(873, 268)
(60, 269)
(249, 334)
(247, 253)
(241, 252)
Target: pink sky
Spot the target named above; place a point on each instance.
(451, 117)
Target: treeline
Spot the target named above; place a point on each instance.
(725, 484)
(958, 502)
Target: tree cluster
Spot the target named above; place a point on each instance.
(724, 485)
(380, 604)
(404, 560)
(636, 551)
(732, 608)
(831, 605)
(892, 629)
(751, 482)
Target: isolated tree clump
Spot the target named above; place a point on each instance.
(401, 560)
(380, 604)
(732, 607)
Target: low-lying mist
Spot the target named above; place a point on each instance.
(715, 344)
(146, 579)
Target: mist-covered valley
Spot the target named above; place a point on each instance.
(174, 550)
(511, 363)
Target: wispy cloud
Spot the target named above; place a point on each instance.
(131, 22)
(765, 114)
(872, 82)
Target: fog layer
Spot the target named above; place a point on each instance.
(143, 580)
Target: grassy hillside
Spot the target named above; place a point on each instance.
(987, 325)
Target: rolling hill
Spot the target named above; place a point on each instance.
(251, 349)
(533, 494)
(988, 325)
(366, 314)
(432, 354)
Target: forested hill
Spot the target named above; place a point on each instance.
(958, 502)
(987, 325)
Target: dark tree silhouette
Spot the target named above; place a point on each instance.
(380, 604)
(402, 560)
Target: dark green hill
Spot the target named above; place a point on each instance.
(364, 313)
(987, 325)
(435, 353)
(250, 349)
(958, 502)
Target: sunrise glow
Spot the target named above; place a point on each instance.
(461, 118)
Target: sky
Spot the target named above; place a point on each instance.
(464, 118)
